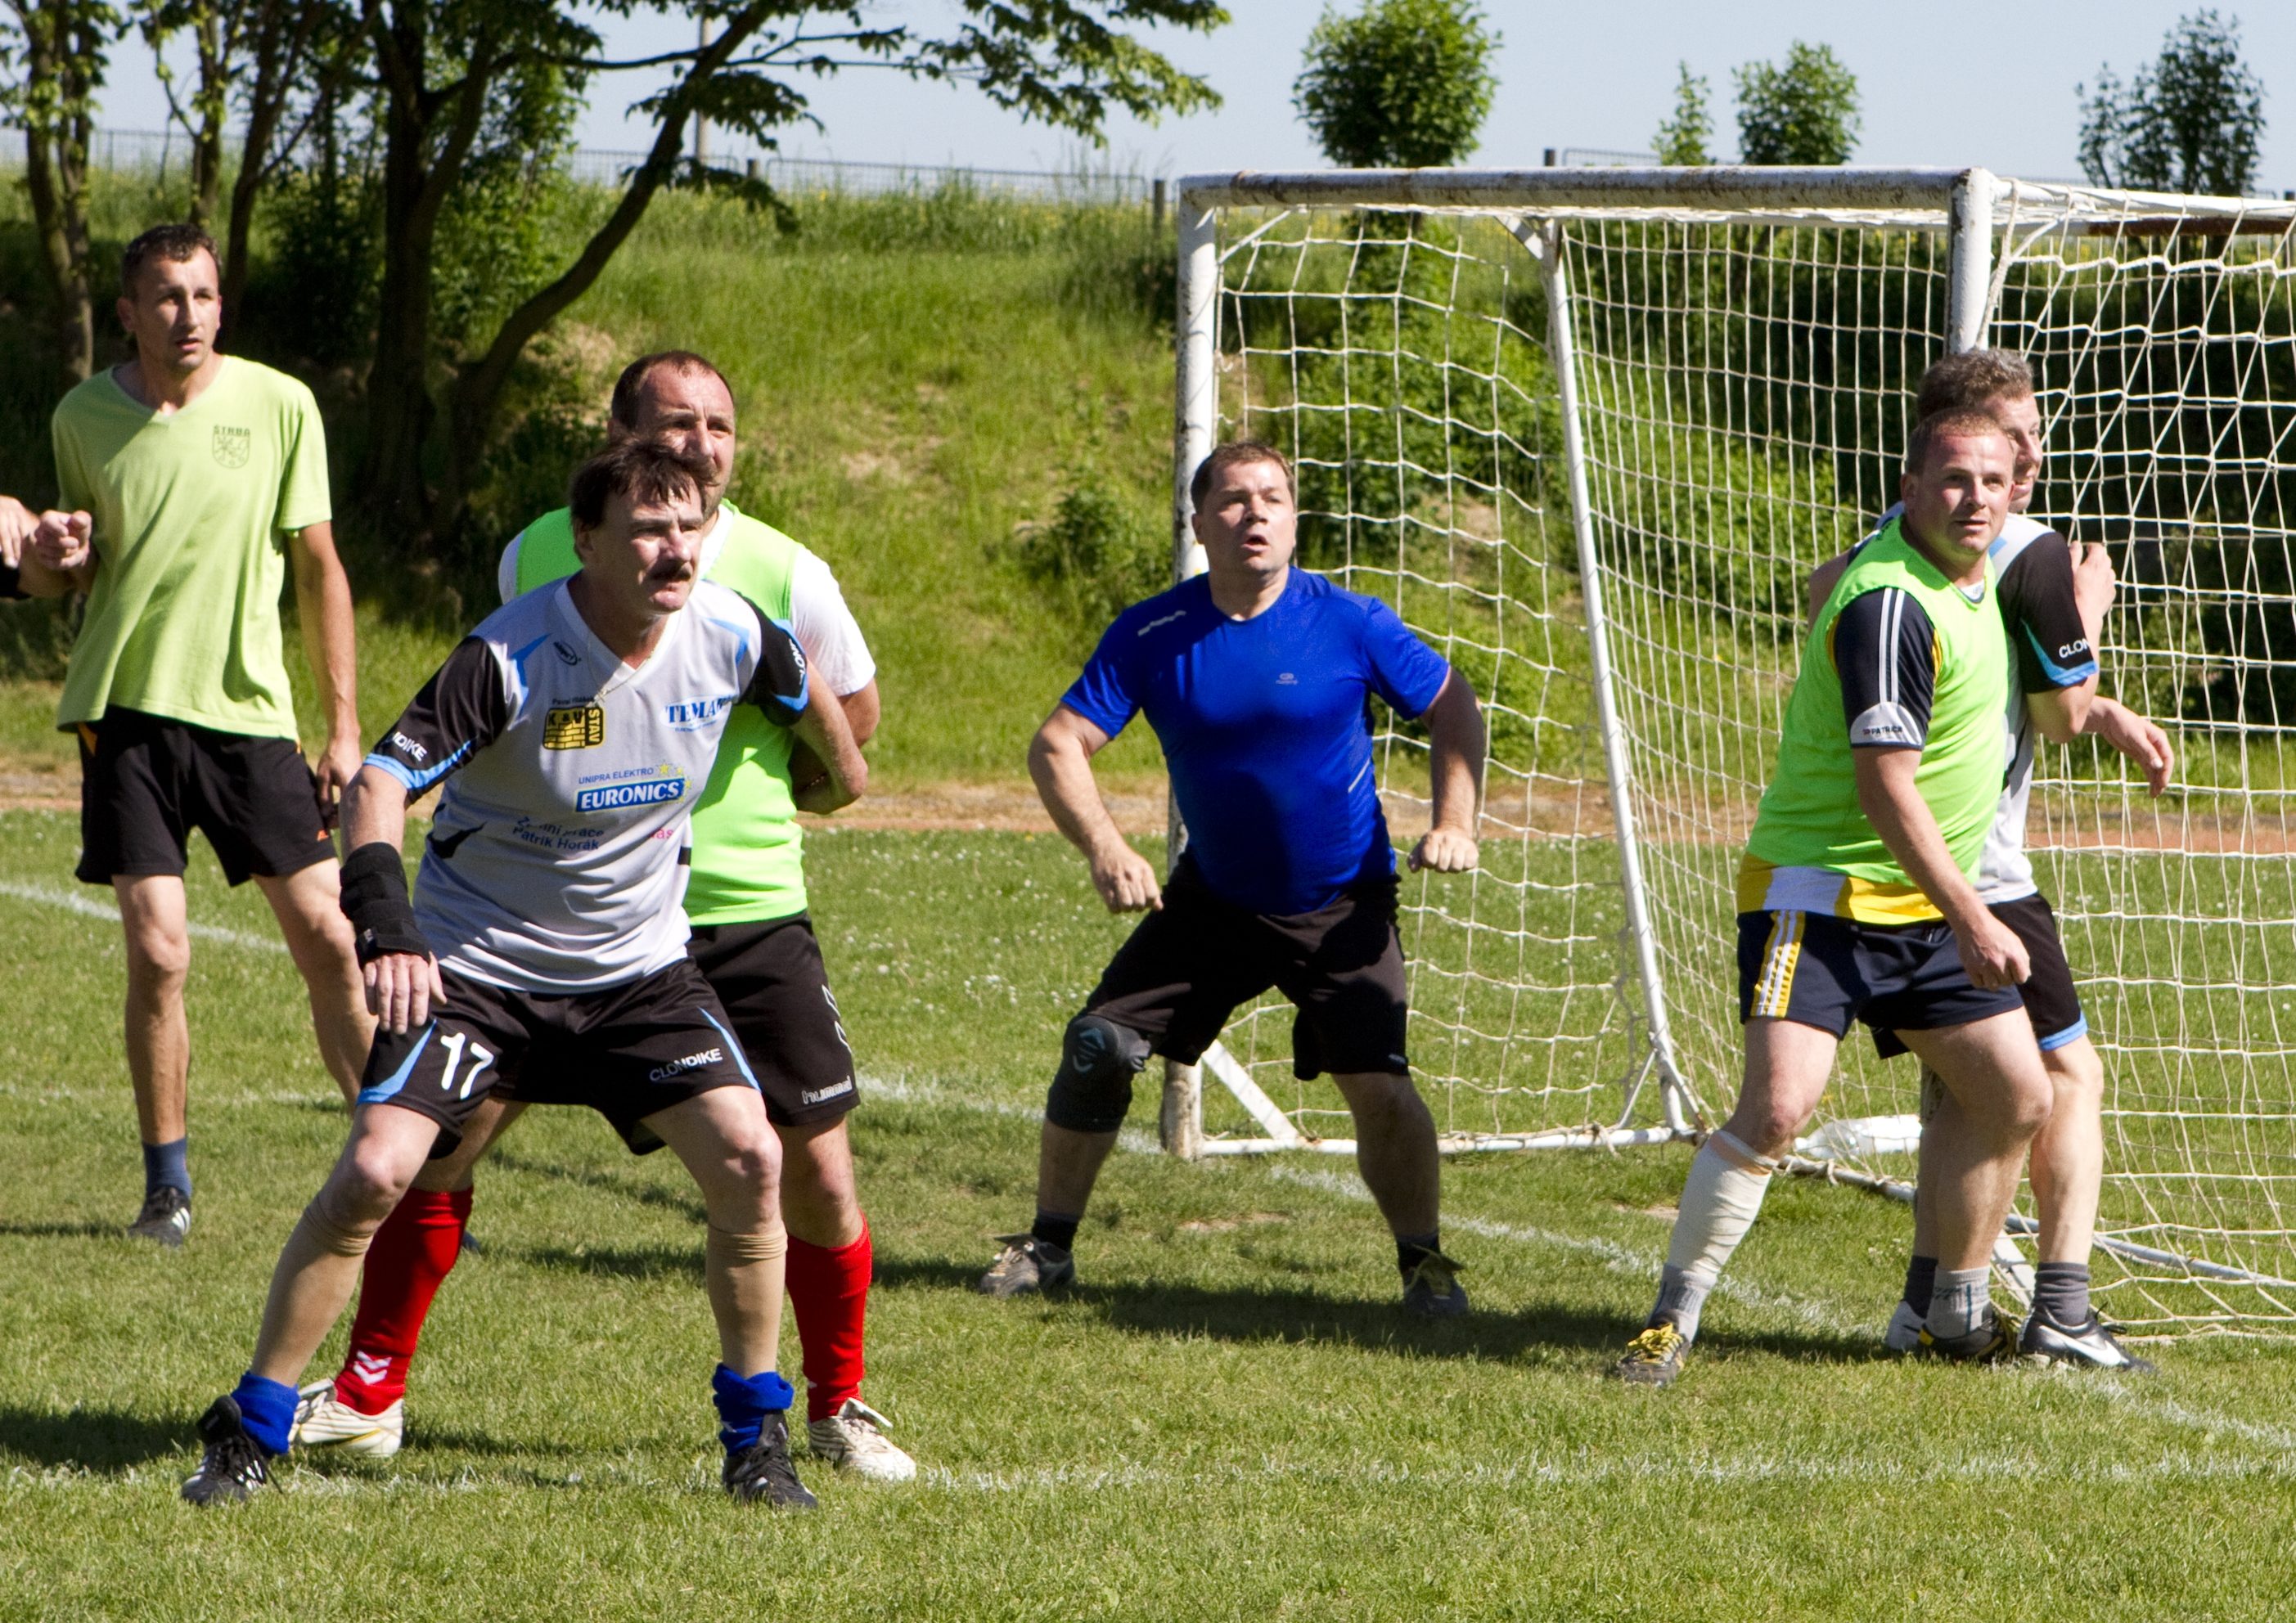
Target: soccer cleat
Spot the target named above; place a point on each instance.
(234, 1465)
(325, 1422)
(165, 1217)
(1905, 1331)
(1433, 1290)
(2090, 1345)
(853, 1439)
(1028, 1266)
(762, 1472)
(1654, 1357)
(1991, 1342)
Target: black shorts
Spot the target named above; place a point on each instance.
(625, 1052)
(1817, 970)
(775, 989)
(146, 783)
(2048, 993)
(1187, 968)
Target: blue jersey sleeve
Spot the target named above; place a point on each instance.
(1403, 671)
(1103, 694)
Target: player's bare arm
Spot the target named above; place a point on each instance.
(811, 788)
(1457, 743)
(322, 605)
(827, 730)
(1821, 582)
(1059, 760)
(401, 984)
(2140, 740)
(60, 554)
(1990, 950)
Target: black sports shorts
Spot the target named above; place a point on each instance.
(146, 781)
(1186, 968)
(625, 1052)
(2050, 999)
(775, 989)
(1817, 970)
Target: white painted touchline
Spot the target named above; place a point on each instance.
(43, 896)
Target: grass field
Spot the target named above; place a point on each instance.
(1229, 1420)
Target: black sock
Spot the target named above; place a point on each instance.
(1921, 1279)
(166, 1164)
(2061, 1289)
(1410, 1248)
(1054, 1229)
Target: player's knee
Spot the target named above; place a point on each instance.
(157, 954)
(2076, 1074)
(366, 1184)
(1093, 1089)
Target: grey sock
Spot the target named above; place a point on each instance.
(2060, 1289)
(1681, 1299)
(1959, 1302)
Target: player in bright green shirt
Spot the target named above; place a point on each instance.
(194, 487)
(1858, 897)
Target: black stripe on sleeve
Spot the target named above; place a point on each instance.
(1883, 647)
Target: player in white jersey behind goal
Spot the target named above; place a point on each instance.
(2053, 604)
(543, 957)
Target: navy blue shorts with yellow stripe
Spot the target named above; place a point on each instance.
(1817, 970)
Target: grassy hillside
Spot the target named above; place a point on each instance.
(919, 378)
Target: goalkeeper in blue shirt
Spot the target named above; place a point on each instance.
(1255, 676)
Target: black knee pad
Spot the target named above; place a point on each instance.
(1093, 1089)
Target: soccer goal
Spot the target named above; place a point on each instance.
(1589, 431)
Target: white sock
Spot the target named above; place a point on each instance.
(1959, 1302)
(1721, 1200)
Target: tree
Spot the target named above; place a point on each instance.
(1805, 111)
(2192, 121)
(462, 83)
(276, 64)
(1402, 84)
(1682, 139)
(60, 51)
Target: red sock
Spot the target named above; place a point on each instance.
(829, 1291)
(413, 1253)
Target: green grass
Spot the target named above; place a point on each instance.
(1229, 1420)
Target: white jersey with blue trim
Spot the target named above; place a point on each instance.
(556, 863)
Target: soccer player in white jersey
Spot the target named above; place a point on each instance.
(2053, 605)
(752, 941)
(543, 955)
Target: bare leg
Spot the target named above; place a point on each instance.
(481, 1132)
(2068, 1164)
(1992, 1073)
(728, 1145)
(308, 907)
(1787, 1064)
(320, 1266)
(1068, 1165)
(819, 1202)
(1395, 1149)
(158, 1041)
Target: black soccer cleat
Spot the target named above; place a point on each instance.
(1433, 1290)
(1994, 1341)
(2089, 1345)
(1028, 1266)
(234, 1465)
(165, 1217)
(762, 1472)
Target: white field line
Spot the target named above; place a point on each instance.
(1582, 1470)
(41, 895)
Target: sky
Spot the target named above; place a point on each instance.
(1570, 74)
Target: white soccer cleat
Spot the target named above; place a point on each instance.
(324, 1421)
(1905, 1331)
(854, 1439)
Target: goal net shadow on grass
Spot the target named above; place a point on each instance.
(1732, 373)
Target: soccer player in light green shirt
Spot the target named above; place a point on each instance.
(1856, 897)
(194, 485)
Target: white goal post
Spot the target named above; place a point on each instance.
(1589, 431)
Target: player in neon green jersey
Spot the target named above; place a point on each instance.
(1857, 898)
(194, 484)
(752, 941)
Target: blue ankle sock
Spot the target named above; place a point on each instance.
(168, 1164)
(743, 1404)
(267, 1409)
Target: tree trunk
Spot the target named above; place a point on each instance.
(214, 106)
(63, 60)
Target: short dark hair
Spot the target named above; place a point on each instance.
(1234, 453)
(642, 470)
(624, 408)
(1974, 378)
(174, 242)
(1955, 419)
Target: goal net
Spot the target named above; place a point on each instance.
(1588, 432)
